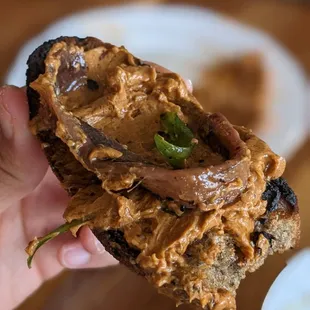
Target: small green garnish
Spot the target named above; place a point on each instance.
(178, 132)
(35, 244)
(178, 144)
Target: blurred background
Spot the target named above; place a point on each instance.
(248, 59)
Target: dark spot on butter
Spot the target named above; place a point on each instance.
(182, 208)
(92, 85)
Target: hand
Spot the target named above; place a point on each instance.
(32, 202)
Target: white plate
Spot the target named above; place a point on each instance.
(291, 289)
(184, 39)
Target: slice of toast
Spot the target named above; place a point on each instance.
(205, 267)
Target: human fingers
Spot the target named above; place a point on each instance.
(75, 255)
(86, 252)
(22, 164)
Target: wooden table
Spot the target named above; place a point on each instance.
(288, 22)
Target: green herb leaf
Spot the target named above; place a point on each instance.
(38, 242)
(179, 143)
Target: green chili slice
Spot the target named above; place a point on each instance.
(178, 132)
(38, 242)
(179, 143)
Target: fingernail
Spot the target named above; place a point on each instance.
(75, 257)
(6, 121)
(100, 248)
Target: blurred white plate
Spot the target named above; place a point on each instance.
(291, 289)
(184, 39)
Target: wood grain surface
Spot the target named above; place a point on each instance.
(116, 288)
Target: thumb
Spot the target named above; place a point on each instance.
(22, 163)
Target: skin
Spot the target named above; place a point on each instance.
(31, 204)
